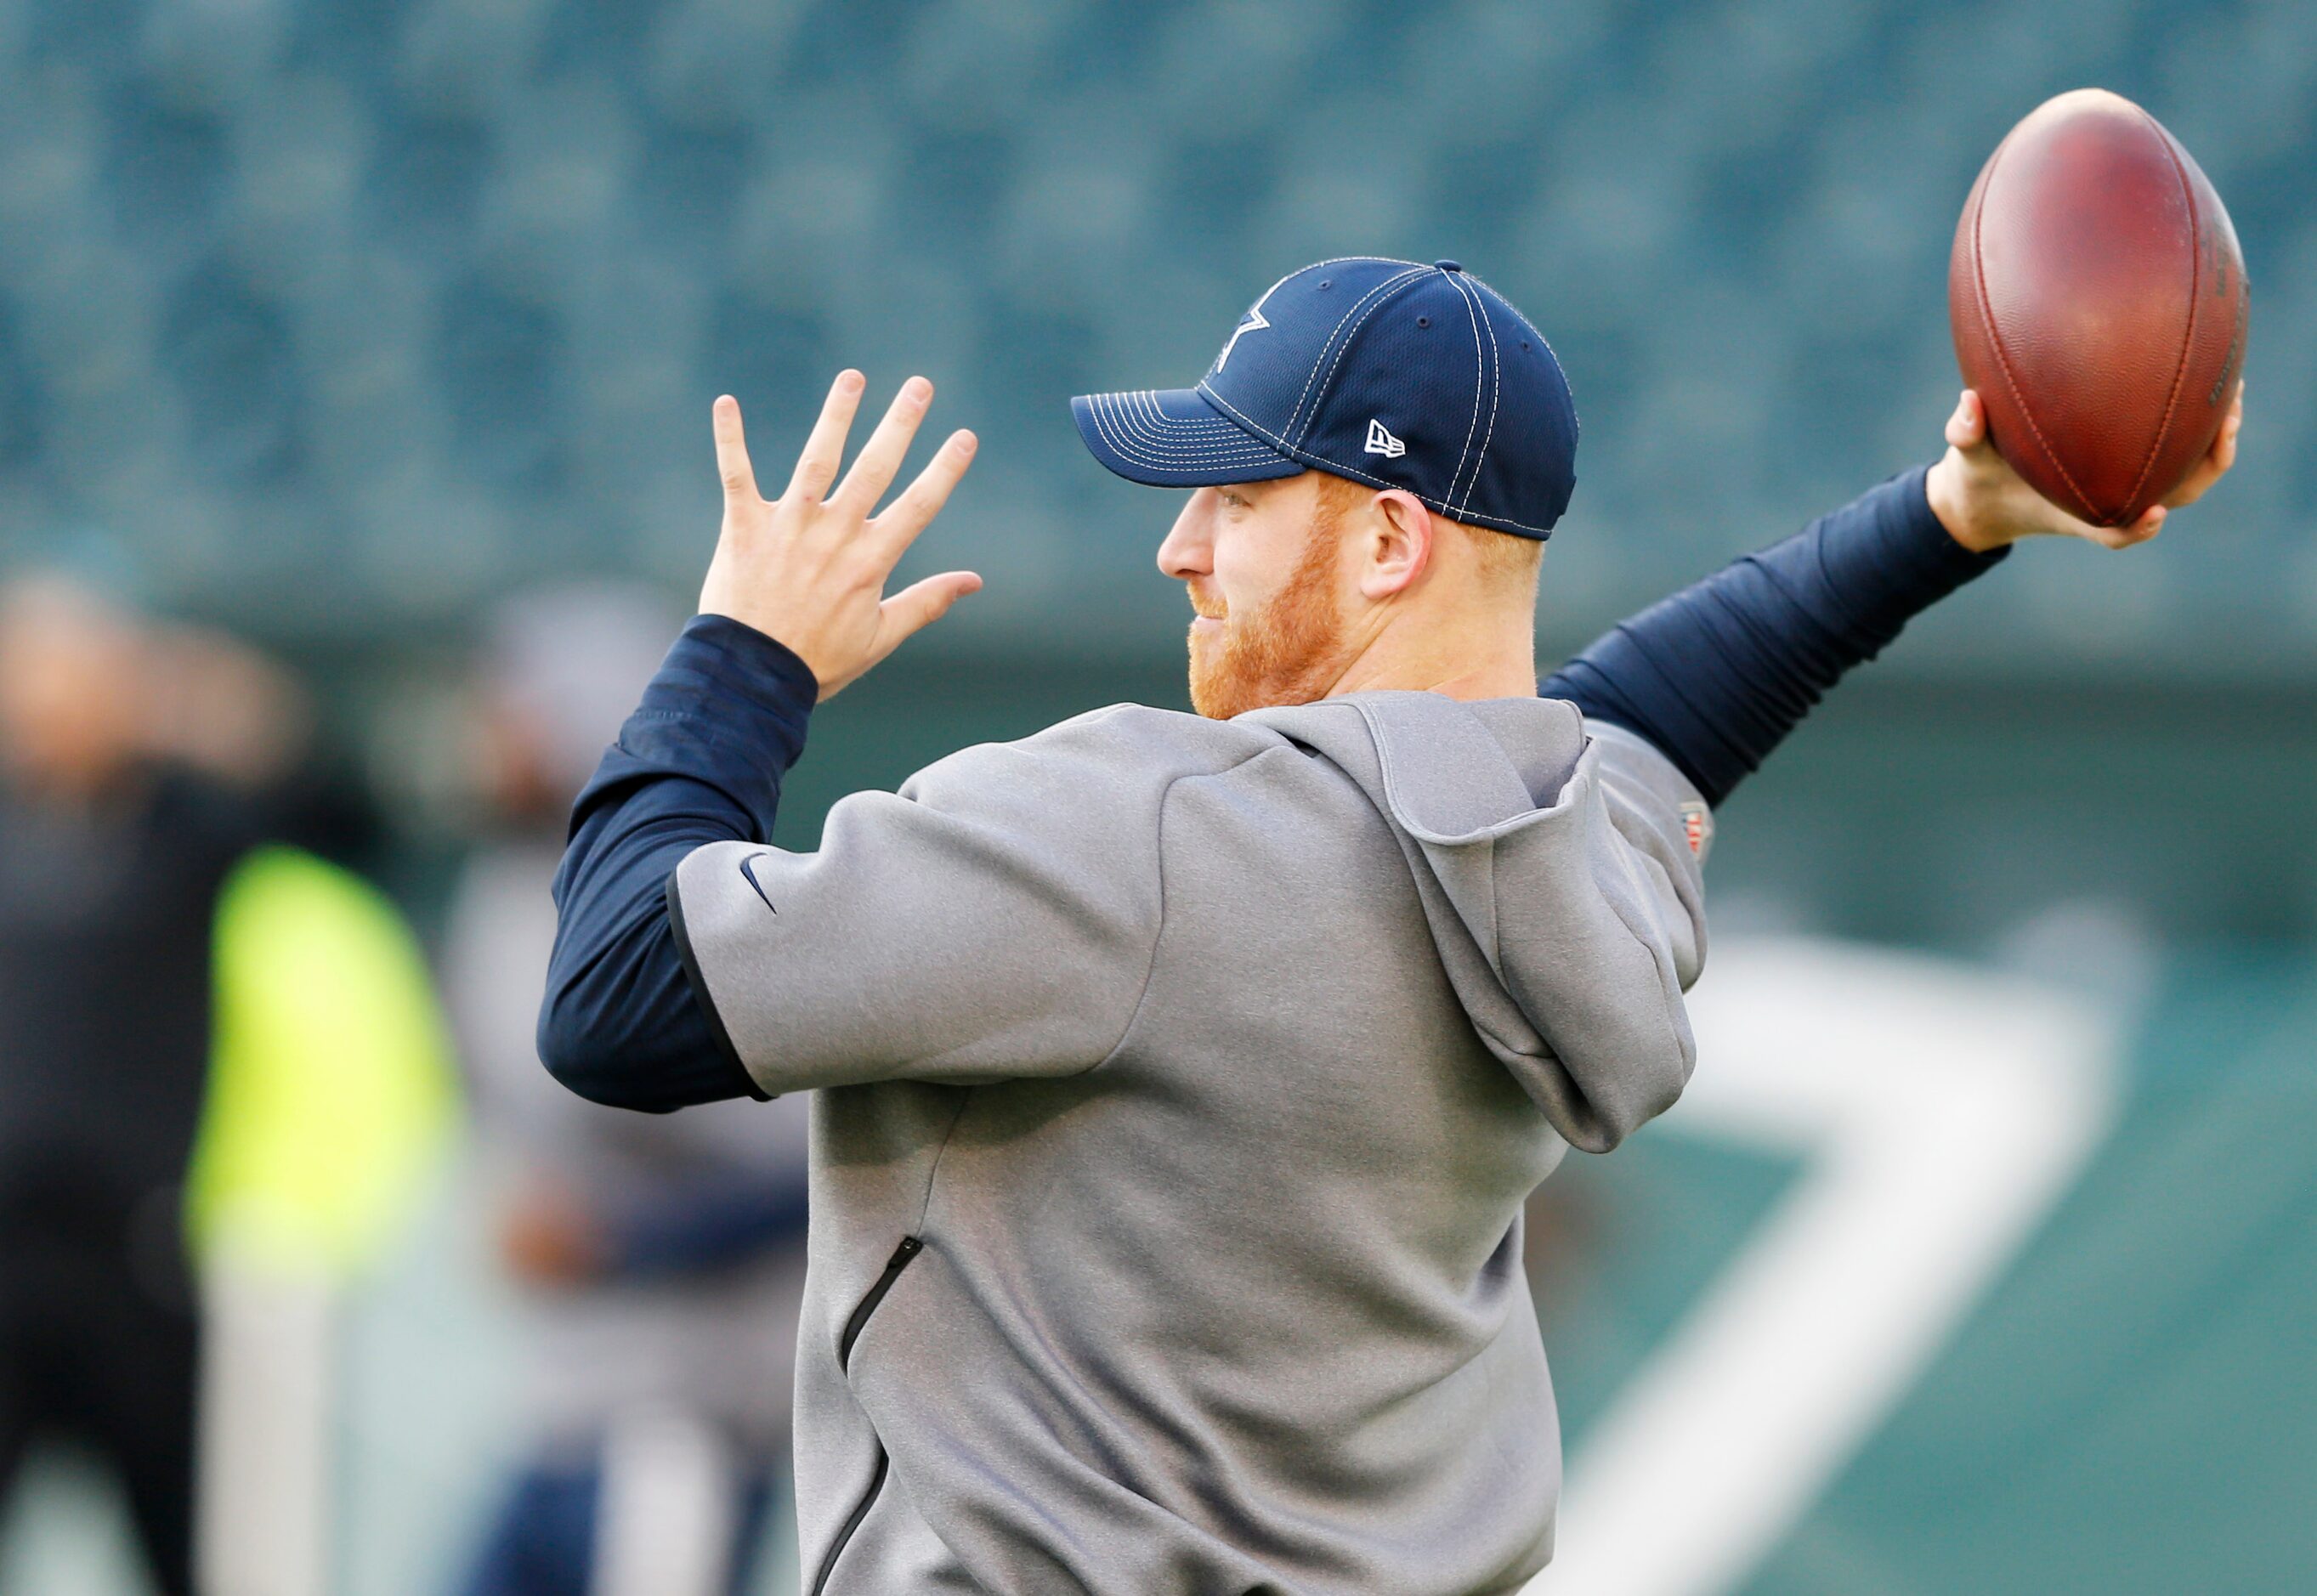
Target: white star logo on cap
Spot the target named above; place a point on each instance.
(1252, 322)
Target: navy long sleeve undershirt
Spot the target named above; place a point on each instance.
(701, 761)
(1714, 676)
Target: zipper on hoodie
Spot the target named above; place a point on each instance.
(855, 1324)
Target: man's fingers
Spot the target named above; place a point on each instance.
(880, 460)
(2218, 460)
(2224, 447)
(824, 452)
(732, 453)
(919, 605)
(2151, 522)
(914, 510)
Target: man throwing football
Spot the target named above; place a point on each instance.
(1180, 1077)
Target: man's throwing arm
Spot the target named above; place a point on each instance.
(1716, 675)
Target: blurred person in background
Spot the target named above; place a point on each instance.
(221, 1073)
(661, 1257)
(125, 804)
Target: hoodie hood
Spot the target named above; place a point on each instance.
(1567, 914)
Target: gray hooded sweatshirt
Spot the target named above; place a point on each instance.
(1179, 1085)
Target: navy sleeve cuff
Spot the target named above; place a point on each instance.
(730, 706)
(1901, 560)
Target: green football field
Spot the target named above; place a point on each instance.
(2131, 1403)
(2125, 1404)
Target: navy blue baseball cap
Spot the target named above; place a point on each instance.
(1388, 372)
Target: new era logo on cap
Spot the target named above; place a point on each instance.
(1483, 427)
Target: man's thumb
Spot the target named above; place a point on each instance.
(1967, 427)
(921, 603)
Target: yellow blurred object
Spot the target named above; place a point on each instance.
(331, 1090)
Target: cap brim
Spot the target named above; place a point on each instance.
(1173, 438)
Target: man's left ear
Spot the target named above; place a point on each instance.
(1399, 547)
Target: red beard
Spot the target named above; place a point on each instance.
(1289, 652)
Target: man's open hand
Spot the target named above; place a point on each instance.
(809, 568)
(1985, 505)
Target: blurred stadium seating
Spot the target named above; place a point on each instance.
(342, 313)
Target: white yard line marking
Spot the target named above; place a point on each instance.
(1943, 1112)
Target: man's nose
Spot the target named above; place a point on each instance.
(1189, 549)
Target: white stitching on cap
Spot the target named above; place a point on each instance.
(1146, 425)
(1337, 468)
(1255, 426)
(1514, 309)
(1177, 457)
(1387, 290)
(1300, 270)
(1142, 417)
(1542, 343)
(1349, 311)
(1474, 424)
(1134, 448)
(1141, 411)
(1495, 397)
(1383, 293)
(1495, 391)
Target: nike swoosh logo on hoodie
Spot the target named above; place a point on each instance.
(747, 870)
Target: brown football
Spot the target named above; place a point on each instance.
(2099, 305)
